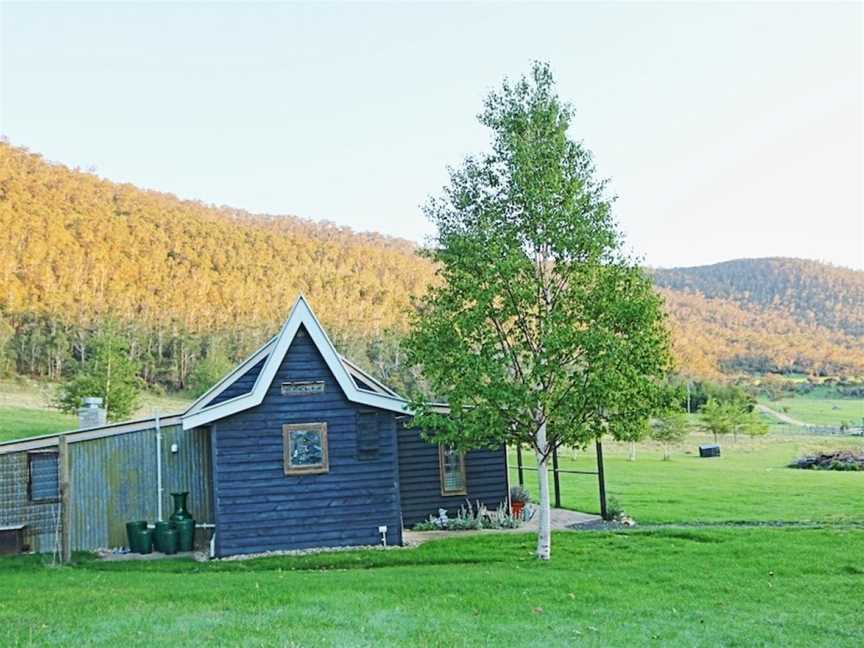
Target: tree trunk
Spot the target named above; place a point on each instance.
(632, 451)
(544, 528)
(666, 453)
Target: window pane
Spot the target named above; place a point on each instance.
(452, 473)
(306, 448)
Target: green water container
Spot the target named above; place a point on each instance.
(132, 529)
(168, 540)
(144, 538)
(181, 512)
(185, 534)
(158, 534)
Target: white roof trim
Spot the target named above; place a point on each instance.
(87, 434)
(231, 378)
(376, 384)
(300, 314)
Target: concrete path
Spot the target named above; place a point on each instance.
(562, 520)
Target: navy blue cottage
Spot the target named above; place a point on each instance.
(310, 451)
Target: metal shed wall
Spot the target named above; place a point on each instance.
(114, 481)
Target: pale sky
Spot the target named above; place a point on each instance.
(727, 130)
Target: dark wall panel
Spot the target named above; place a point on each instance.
(260, 508)
(420, 479)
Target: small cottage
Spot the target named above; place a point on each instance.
(295, 448)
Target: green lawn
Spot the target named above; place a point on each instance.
(753, 587)
(25, 409)
(820, 411)
(20, 422)
(749, 482)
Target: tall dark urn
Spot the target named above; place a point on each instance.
(180, 510)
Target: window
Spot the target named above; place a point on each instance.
(43, 483)
(367, 435)
(305, 448)
(452, 466)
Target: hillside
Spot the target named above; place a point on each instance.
(809, 292)
(180, 276)
(186, 280)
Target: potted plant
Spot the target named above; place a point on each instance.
(518, 498)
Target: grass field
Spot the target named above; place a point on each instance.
(748, 483)
(723, 587)
(820, 411)
(25, 409)
(706, 567)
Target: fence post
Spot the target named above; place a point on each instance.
(601, 481)
(519, 470)
(555, 477)
(65, 500)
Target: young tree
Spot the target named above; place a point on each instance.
(718, 417)
(542, 331)
(670, 428)
(209, 370)
(107, 373)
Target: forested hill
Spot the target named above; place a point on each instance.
(185, 281)
(808, 291)
(772, 314)
(180, 277)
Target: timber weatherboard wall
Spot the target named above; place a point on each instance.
(420, 478)
(260, 508)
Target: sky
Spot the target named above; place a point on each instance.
(726, 130)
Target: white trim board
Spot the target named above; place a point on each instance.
(301, 314)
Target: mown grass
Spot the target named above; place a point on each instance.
(742, 587)
(748, 483)
(22, 422)
(25, 409)
(818, 410)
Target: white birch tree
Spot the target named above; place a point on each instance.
(541, 330)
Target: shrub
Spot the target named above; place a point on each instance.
(470, 517)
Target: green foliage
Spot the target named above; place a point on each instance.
(107, 372)
(670, 428)
(470, 518)
(209, 370)
(519, 494)
(540, 318)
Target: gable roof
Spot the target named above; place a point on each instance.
(273, 352)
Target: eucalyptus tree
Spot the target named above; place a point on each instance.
(541, 331)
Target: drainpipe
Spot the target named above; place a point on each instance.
(158, 469)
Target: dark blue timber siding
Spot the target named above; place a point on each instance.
(243, 385)
(260, 508)
(420, 478)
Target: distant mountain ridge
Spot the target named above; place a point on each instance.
(808, 291)
(186, 280)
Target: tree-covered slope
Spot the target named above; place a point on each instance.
(185, 280)
(811, 293)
